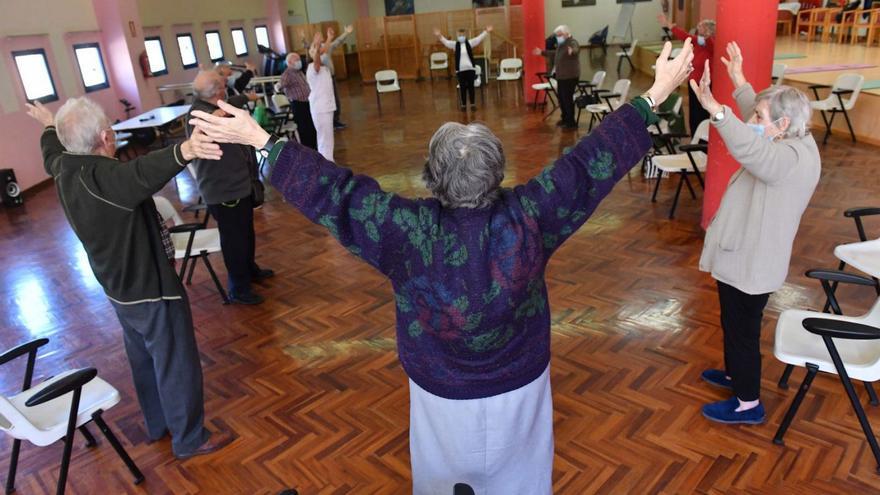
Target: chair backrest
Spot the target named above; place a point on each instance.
(439, 58)
(778, 73)
(598, 79)
(511, 66)
(632, 47)
(280, 102)
(621, 87)
(676, 108)
(386, 77)
(702, 133)
(478, 76)
(166, 210)
(853, 82)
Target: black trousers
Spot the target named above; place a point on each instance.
(466, 89)
(235, 220)
(338, 106)
(302, 115)
(696, 112)
(565, 89)
(161, 346)
(741, 316)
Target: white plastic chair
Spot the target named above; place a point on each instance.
(692, 160)
(438, 61)
(56, 409)
(510, 69)
(191, 241)
(846, 84)
(777, 75)
(674, 53)
(594, 86)
(285, 125)
(387, 82)
(627, 54)
(613, 100)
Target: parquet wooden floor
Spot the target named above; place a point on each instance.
(310, 381)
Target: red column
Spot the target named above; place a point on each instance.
(752, 24)
(533, 33)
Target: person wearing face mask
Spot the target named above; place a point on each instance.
(295, 87)
(567, 71)
(704, 46)
(747, 248)
(464, 63)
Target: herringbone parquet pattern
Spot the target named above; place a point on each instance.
(310, 381)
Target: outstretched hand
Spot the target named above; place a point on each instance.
(200, 146)
(670, 74)
(703, 91)
(734, 64)
(40, 113)
(238, 128)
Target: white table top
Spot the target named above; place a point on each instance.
(864, 256)
(264, 79)
(154, 118)
(792, 7)
(174, 87)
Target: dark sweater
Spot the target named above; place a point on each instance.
(110, 208)
(473, 319)
(568, 66)
(228, 178)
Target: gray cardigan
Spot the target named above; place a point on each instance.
(748, 244)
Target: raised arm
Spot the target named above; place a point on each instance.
(476, 40)
(49, 143)
(442, 39)
(338, 41)
(743, 91)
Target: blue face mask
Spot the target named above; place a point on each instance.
(560, 40)
(761, 129)
(701, 40)
(462, 39)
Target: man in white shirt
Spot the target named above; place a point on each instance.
(464, 62)
(321, 100)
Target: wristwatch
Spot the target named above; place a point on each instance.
(651, 102)
(719, 116)
(264, 151)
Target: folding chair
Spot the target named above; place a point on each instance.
(547, 86)
(691, 159)
(387, 82)
(613, 100)
(846, 84)
(626, 54)
(510, 69)
(438, 61)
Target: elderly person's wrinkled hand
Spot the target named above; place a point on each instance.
(734, 64)
(670, 74)
(238, 128)
(349, 29)
(537, 51)
(200, 146)
(40, 113)
(704, 92)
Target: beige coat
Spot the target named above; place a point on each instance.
(748, 244)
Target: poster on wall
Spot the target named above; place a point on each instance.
(578, 3)
(400, 7)
(482, 4)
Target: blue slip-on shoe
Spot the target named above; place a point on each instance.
(717, 378)
(725, 412)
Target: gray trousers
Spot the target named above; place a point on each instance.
(164, 359)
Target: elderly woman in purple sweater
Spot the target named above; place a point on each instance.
(467, 268)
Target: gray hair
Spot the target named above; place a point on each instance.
(562, 28)
(79, 123)
(465, 165)
(289, 57)
(785, 101)
(207, 84)
(710, 25)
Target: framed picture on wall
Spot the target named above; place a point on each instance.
(482, 4)
(400, 7)
(578, 3)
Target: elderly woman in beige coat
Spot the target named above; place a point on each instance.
(748, 244)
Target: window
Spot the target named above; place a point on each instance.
(262, 36)
(187, 51)
(35, 76)
(156, 56)
(239, 43)
(215, 48)
(91, 66)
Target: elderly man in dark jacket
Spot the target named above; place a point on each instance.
(110, 207)
(567, 71)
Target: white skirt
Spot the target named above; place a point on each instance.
(497, 445)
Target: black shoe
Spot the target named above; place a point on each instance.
(247, 298)
(289, 491)
(262, 274)
(473, 106)
(339, 125)
(569, 126)
(559, 123)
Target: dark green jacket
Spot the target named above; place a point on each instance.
(109, 205)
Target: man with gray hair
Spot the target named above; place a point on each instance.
(226, 187)
(567, 71)
(110, 208)
(295, 87)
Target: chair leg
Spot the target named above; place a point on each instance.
(783, 380)
(120, 450)
(90, 440)
(68, 441)
(675, 199)
(619, 62)
(872, 395)
(13, 466)
(183, 267)
(379, 102)
(853, 398)
(656, 185)
(852, 133)
(828, 127)
(189, 277)
(812, 369)
(687, 182)
(214, 278)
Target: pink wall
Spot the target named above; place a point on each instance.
(708, 9)
(277, 14)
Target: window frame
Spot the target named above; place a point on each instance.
(244, 39)
(36, 51)
(96, 45)
(162, 51)
(257, 38)
(193, 44)
(219, 40)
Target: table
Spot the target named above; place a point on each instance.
(157, 118)
(864, 256)
(185, 88)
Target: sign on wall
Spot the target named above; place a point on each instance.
(400, 7)
(578, 3)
